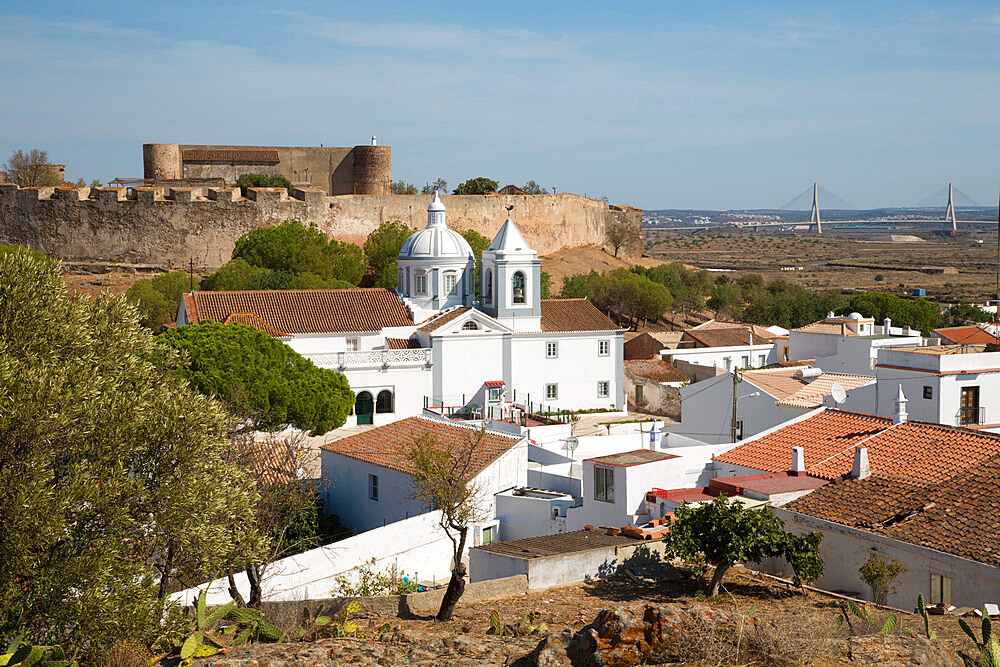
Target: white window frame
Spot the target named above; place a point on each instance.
(453, 277)
(494, 394)
(603, 388)
(353, 344)
(372, 487)
(604, 348)
(551, 350)
(552, 391)
(745, 359)
(762, 360)
(602, 475)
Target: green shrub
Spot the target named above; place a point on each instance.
(264, 181)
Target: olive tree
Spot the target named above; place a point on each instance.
(115, 487)
(724, 532)
(444, 481)
(31, 169)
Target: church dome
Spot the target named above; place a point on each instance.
(436, 241)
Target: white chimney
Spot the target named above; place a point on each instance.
(373, 140)
(899, 414)
(887, 323)
(860, 469)
(798, 461)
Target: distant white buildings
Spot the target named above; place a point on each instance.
(847, 344)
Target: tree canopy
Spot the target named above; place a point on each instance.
(724, 533)
(627, 294)
(381, 250)
(532, 188)
(31, 169)
(246, 181)
(477, 186)
(915, 313)
(159, 298)
(299, 249)
(401, 187)
(439, 185)
(113, 469)
(261, 378)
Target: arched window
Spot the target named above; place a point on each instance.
(450, 283)
(420, 282)
(517, 287)
(384, 401)
(470, 326)
(364, 407)
(489, 286)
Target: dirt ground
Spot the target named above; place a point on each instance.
(584, 259)
(93, 284)
(874, 262)
(807, 617)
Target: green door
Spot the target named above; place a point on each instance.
(364, 408)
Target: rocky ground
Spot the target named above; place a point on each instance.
(757, 621)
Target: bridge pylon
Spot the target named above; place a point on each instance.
(814, 218)
(949, 213)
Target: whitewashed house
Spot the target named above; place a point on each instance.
(847, 344)
(368, 480)
(765, 399)
(957, 385)
(707, 352)
(430, 342)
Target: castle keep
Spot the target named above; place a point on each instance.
(361, 170)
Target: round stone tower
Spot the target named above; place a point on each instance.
(372, 170)
(161, 161)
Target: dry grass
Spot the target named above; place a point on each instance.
(128, 654)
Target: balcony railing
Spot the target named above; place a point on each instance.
(371, 359)
(971, 416)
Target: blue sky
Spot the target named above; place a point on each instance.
(658, 104)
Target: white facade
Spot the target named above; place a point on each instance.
(726, 358)
(934, 381)
(844, 549)
(366, 496)
(854, 349)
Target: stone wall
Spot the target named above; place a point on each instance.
(170, 226)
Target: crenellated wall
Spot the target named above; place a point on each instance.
(170, 226)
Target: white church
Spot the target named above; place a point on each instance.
(432, 344)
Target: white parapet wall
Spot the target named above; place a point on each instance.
(416, 545)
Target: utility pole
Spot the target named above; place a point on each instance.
(736, 382)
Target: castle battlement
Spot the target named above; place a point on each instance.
(173, 226)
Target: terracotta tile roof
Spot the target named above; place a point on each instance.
(402, 343)
(960, 515)
(778, 382)
(435, 322)
(725, 337)
(656, 370)
(916, 451)
(811, 394)
(389, 446)
(494, 383)
(822, 435)
(254, 320)
(574, 315)
(273, 461)
(757, 330)
(304, 311)
(966, 335)
(824, 327)
(252, 155)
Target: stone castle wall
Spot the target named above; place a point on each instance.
(170, 226)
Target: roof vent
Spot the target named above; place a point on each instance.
(860, 469)
(798, 461)
(899, 413)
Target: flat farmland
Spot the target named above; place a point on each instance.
(839, 261)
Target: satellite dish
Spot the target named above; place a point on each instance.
(838, 393)
(572, 442)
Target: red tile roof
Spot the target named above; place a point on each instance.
(304, 311)
(821, 436)
(494, 383)
(966, 335)
(959, 515)
(824, 327)
(654, 369)
(389, 446)
(574, 315)
(435, 322)
(254, 320)
(402, 343)
(917, 451)
(725, 337)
